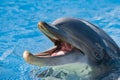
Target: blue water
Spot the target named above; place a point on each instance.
(19, 32)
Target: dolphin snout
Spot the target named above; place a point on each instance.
(27, 56)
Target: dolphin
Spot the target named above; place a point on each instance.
(77, 43)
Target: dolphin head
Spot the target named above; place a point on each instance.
(75, 41)
(62, 52)
(79, 47)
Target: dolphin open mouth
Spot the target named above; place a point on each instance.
(60, 48)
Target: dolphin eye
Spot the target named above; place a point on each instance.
(98, 55)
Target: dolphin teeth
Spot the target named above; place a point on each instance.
(58, 53)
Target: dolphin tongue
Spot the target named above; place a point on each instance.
(60, 48)
(64, 48)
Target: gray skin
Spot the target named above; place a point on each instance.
(92, 45)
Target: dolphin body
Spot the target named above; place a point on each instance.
(79, 45)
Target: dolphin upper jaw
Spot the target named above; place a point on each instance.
(46, 29)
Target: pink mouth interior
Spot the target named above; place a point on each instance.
(61, 48)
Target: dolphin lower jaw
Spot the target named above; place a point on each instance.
(54, 60)
(32, 59)
(39, 60)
